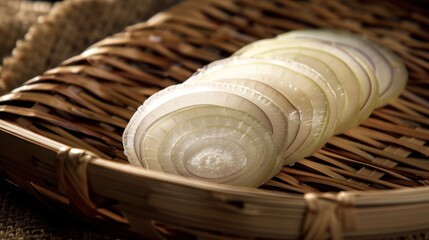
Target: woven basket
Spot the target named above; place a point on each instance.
(67, 30)
(16, 17)
(61, 131)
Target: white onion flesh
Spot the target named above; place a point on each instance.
(290, 115)
(332, 79)
(261, 73)
(370, 84)
(239, 120)
(348, 70)
(288, 77)
(212, 143)
(383, 67)
(172, 98)
(399, 80)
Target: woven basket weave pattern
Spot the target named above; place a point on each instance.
(87, 101)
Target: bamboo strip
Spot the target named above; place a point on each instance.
(422, 134)
(422, 120)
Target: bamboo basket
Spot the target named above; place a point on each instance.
(66, 30)
(61, 131)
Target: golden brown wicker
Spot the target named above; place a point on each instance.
(67, 30)
(368, 183)
(16, 16)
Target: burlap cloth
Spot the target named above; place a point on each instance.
(16, 17)
(35, 36)
(68, 28)
(23, 217)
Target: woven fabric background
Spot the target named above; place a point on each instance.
(23, 217)
(16, 17)
(66, 30)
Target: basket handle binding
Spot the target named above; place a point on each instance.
(73, 181)
(67, 178)
(329, 213)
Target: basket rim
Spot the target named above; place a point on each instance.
(53, 145)
(240, 190)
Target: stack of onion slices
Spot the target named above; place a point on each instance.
(239, 120)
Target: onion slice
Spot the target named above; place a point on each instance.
(383, 70)
(370, 83)
(203, 130)
(354, 78)
(332, 79)
(176, 97)
(239, 120)
(288, 77)
(212, 143)
(389, 69)
(289, 114)
(400, 77)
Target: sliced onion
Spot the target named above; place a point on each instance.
(194, 135)
(275, 115)
(288, 77)
(370, 83)
(230, 68)
(215, 94)
(400, 77)
(332, 79)
(354, 78)
(289, 114)
(213, 98)
(238, 120)
(173, 98)
(383, 70)
(331, 118)
(212, 143)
